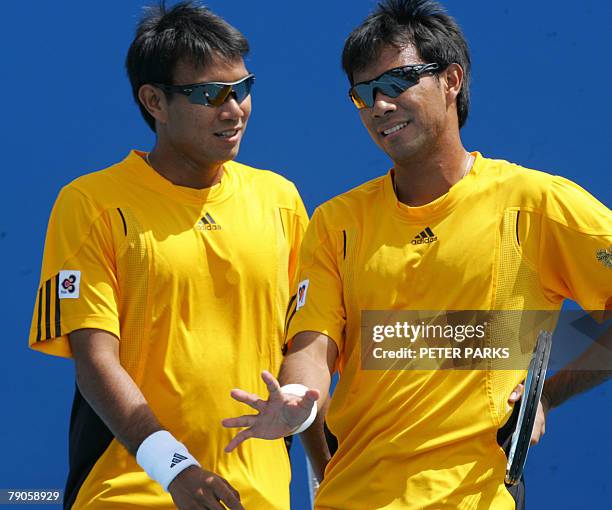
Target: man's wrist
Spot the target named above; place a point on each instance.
(300, 390)
(163, 457)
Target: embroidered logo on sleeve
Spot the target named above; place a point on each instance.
(69, 284)
(605, 257)
(301, 294)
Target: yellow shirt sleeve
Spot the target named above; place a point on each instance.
(78, 284)
(575, 246)
(318, 304)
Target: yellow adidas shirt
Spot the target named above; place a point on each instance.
(195, 285)
(503, 238)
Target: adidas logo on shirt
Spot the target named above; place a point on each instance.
(425, 237)
(176, 459)
(207, 223)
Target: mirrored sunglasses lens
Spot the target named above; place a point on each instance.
(206, 95)
(403, 83)
(243, 89)
(391, 89)
(362, 96)
(217, 94)
(214, 94)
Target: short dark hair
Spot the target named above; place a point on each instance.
(422, 23)
(187, 32)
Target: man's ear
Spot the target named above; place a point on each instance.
(453, 81)
(155, 102)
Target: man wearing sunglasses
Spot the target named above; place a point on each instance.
(444, 229)
(166, 277)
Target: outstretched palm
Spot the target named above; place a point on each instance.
(277, 417)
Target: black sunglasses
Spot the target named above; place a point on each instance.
(213, 93)
(391, 83)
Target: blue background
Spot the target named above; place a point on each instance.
(541, 98)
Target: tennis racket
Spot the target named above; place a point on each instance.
(519, 445)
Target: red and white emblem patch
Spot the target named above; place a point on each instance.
(69, 284)
(301, 294)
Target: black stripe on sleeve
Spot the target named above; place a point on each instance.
(285, 347)
(123, 220)
(289, 320)
(58, 318)
(518, 215)
(282, 224)
(289, 308)
(38, 332)
(344, 248)
(48, 309)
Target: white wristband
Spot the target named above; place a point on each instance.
(300, 390)
(163, 457)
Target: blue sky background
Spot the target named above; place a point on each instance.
(540, 97)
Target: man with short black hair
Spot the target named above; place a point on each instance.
(444, 230)
(166, 277)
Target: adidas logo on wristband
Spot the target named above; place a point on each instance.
(176, 459)
(155, 451)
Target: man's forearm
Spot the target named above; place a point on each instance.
(110, 390)
(315, 443)
(114, 396)
(299, 367)
(568, 383)
(589, 370)
(310, 362)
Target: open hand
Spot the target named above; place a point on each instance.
(277, 417)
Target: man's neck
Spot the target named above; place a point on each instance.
(428, 176)
(183, 171)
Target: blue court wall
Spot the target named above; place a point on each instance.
(540, 97)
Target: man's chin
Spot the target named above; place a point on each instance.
(404, 151)
(234, 152)
(229, 154)
(399, 156)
